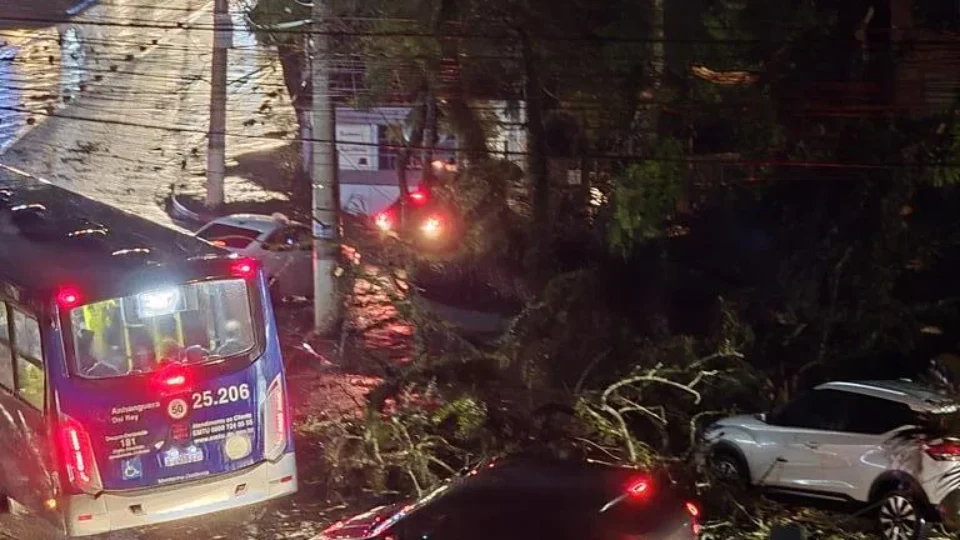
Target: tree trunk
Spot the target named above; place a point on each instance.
(293, 61)
(537, 169)
(429, 135)
(649, 118)
(403, 157)
(468, 129)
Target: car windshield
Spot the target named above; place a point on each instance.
(188, 324)
(229, 236)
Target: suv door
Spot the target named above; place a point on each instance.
(870, 424)
(831, 450)
(800, 465)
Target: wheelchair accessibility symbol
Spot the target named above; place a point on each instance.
(132, 468)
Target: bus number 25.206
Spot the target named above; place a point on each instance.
(221, 396)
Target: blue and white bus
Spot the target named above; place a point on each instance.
(141, 379)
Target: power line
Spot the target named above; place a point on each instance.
(809, 164)
(427, 35)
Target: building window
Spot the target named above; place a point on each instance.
(386, 154)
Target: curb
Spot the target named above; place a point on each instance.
(79, 8)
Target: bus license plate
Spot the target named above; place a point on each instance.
(174, 458)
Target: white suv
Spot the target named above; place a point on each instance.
(879, 443)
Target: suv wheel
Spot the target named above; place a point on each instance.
(729, 469)
(899, 517)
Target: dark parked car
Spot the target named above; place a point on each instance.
(430, 224)
(526, 498)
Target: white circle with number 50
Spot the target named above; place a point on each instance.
(177, 409)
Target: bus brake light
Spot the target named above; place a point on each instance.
(77, 453)
(175, 380)
(244, 268)
(68, 297)
(172, 378)
(275, 419)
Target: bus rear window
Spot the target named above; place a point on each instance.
(228, 235)
(137, 334)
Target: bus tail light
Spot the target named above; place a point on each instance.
(76, 450)
(68, 297)
(244, 268)
(275, 419)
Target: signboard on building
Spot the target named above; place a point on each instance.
(361, 155)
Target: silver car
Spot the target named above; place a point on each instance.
(284, 248)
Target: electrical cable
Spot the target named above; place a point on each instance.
(811, 164)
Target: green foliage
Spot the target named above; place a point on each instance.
(409, 448)
(945, 171)
(647, 195)
(746, 517)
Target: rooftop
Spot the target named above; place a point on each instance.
(50, 236)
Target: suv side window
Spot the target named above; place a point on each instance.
(825, 410)
(304, 238)
(6, 351)
(875, 416)
(286, 239)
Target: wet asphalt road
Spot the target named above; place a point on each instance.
(114, 103)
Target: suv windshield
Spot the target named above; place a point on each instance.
(186, 324)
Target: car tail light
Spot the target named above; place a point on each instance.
(76, 451)
(418, 197)
(244, 268)
(694, 512)
(383, 221)
(275, 418)
(945, 451)
(640, 488)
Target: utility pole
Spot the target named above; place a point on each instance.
(326, 187)
(216, 151)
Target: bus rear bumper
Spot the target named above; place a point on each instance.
(86, 515)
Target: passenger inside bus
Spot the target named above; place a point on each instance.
(139, 333)
(234, 342)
